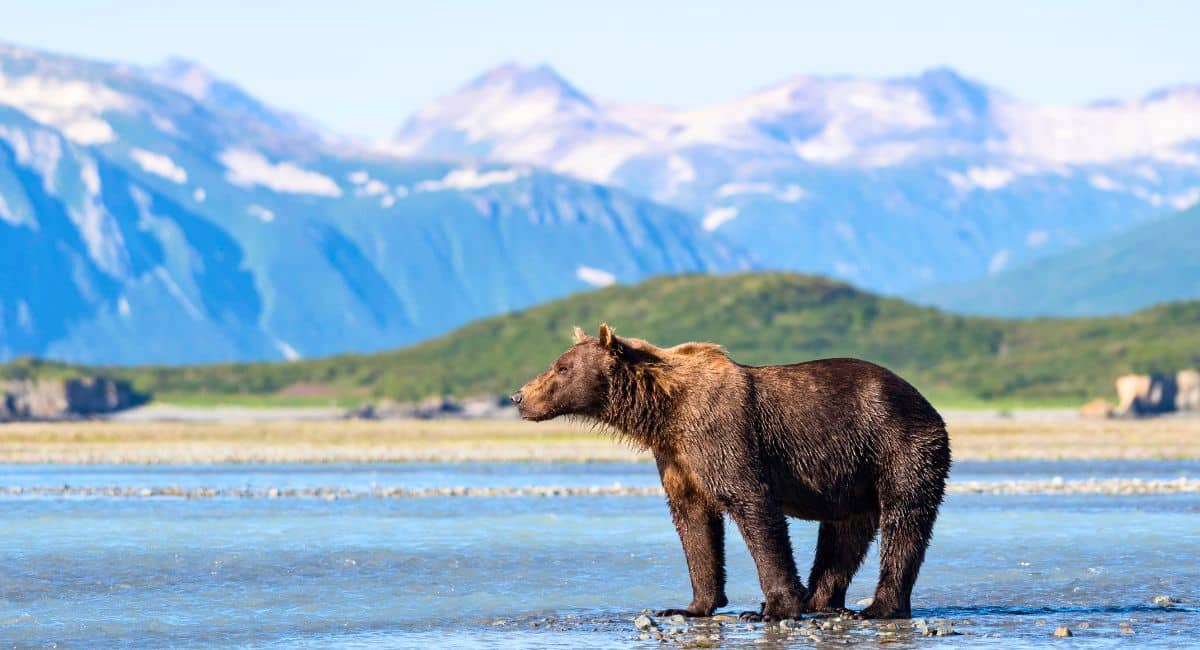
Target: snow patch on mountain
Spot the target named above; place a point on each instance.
(981, 178)
(6, 213)
(595, 277)
(72, 106)
(177, 293)
(247, 168)
(1104, 183)
(717, 216)
(262, 213)
(470, 178)
(789, 193)
(998, 261)
(158, 164)
(1186, 200)
(38, 149)
(289, 353)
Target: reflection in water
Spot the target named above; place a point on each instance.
(513, 571)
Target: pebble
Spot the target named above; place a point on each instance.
(1164, 601)
(644, 622)
(864, 602)
(1062, 631)
(677, 619)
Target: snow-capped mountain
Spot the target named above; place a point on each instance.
(893, 184)
(165, 216)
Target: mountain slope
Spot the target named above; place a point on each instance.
(892, 184)
(1152, 263)
(760, 318)
(164, 216)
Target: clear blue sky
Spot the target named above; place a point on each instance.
(362, 67)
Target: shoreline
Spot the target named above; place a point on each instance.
(454, 441)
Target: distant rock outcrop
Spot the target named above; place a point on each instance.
(1187, 395)
(56, 399)
(1142, 395)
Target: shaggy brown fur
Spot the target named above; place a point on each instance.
(840, 441)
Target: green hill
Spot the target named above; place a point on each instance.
(760, 318)
(1155, 262)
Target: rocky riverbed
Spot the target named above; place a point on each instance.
(726, 630)
(1109, 486)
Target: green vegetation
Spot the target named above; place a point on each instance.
(761, 318)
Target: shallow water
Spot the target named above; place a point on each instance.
(513, 571)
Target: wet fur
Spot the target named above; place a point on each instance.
(840, 441)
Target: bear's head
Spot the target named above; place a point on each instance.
(579, 380)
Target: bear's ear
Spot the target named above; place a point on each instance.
(580, 336)
(608, 339)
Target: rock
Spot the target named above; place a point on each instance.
(57, 399)
(363, 412)
(1164, 601)
(945, 628)
(644, 623)
(789, 624)
(1187, 386)
(677, 619)
(1142, 395)
(1062, 631)
(1096, 409)
(864, 602)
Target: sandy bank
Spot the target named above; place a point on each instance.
(495, 441)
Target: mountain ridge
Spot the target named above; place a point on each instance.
(1152, 263)
(162, 198)
(891, 183)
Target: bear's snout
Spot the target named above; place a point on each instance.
(516, 398)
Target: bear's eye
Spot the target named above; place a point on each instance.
(562, 370)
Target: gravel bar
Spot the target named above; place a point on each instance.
(1109, 486)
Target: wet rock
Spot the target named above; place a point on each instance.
(789, 624)
(945, 628)
(677, 619)
(643, 622)
(1062, 631)
(1164, 601)
(864, 602)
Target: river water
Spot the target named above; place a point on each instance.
(520, 571)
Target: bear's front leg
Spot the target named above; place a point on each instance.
(763, 526)
(702, 532)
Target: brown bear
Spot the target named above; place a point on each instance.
(840, 441)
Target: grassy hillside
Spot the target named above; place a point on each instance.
(760, 318)
(1152, 263)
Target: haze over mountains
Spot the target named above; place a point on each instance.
(167, 216)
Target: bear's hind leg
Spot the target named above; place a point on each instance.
(841, 546)
(905, 533)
